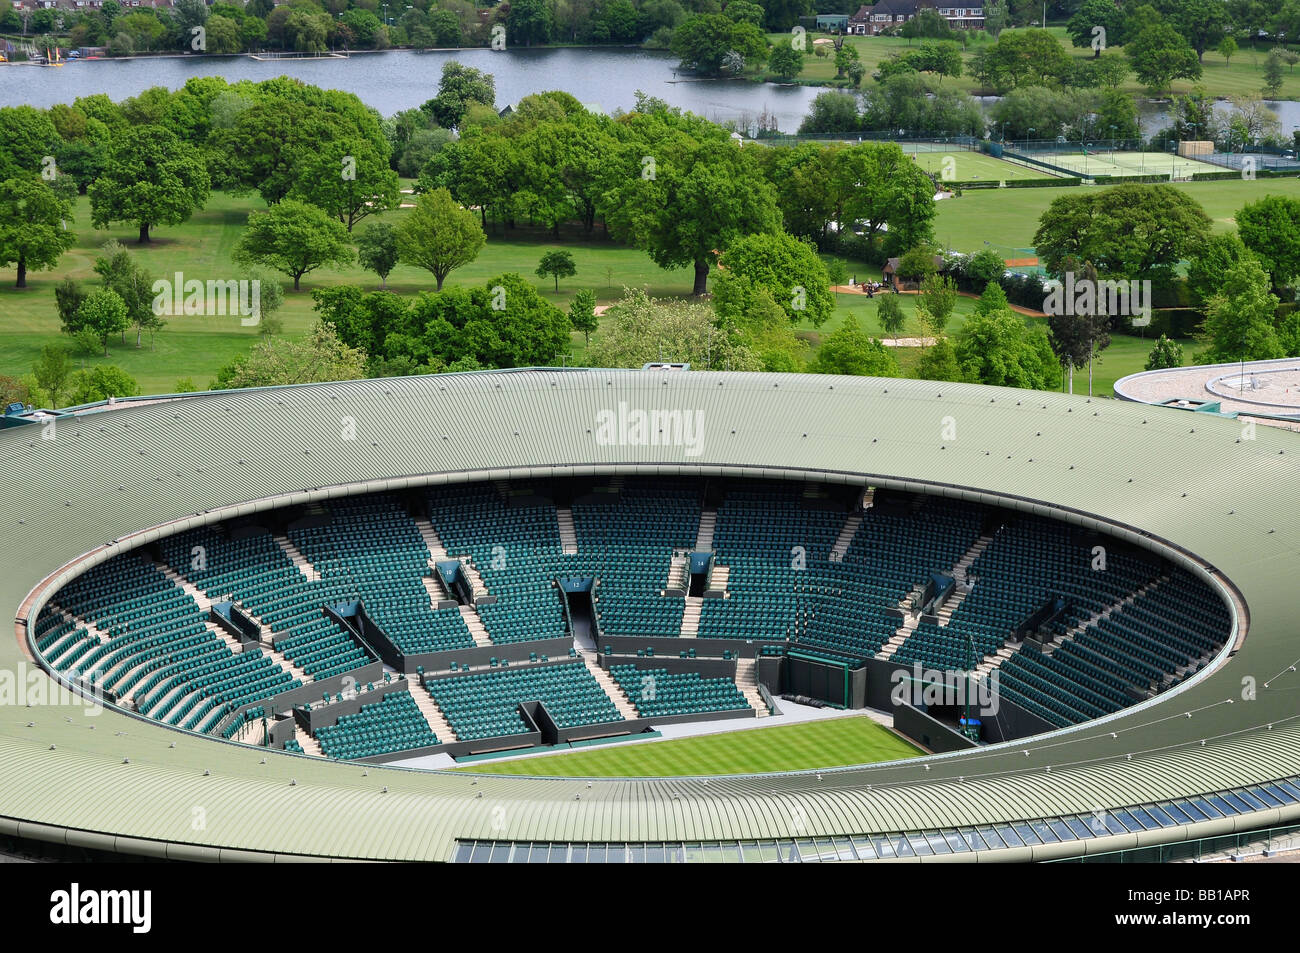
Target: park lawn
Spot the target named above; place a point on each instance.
(197, 346)
(1006, 219)
(1241, 75)
(819, 744)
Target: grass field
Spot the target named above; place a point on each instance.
(818, 744)
(1243, 74)
(1007, 219)
(960, 165)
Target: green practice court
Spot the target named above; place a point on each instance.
(1102, 161)
(961, 165)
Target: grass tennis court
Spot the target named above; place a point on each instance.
(815, 744)
(1105, 162)
(959, 165)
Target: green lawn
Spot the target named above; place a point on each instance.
(1007, 218)
(817, 744)
(1244, 73)
(197, 346)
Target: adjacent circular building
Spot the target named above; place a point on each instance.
(1213, 746)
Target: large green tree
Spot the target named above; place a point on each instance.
(1270, 227)
(1000, 348)
(460, 87)
(104, 313)
(706, 42)
(784, 267)
(1128, 231)
(439, 236)
(349, 179)
(318, 356)
(33, 226)
(639, 330)
(1158, 53)
(1239, 318)
(294, 238)
(684, 192)
(151, 177)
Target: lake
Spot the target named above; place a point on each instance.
(400, 79)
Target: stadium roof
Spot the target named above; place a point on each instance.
(115, 781)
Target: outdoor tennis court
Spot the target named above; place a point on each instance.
(1106, 162)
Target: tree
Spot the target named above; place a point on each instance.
(890, 315)
(785, 62)
(639, 330)
(1211, 261)
(459, 87)
(439, 235)
(837, 274)
(1082, 27)
(100, 383)
(123, 275)
(529, 22)
(1157, 52)
(1273, 74)
(1270, 227)
(294, 238)
(33, 226)
(270, 299)
(582, 313)
(320, 356)
(832, 111)
(917, 264)
(850, 350)
(1239, 318)
(52, 370)
(1165, 354)
(984, 266)
(150, 178)
(1128, 231)
(558, 264)
(29, 136)
(999, 348)
(784, 267)
(703, 41)
(377, 250)
(349, 179)
(1200, 22)
(104, 313)
(1227, 49)
(991, 299)
(68, 296)
(939, 363)
(703, 195)
(937, 299)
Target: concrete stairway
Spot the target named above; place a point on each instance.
(568, 535)
(995, 659)
(437, 552)
(476, 584)
(235, 645)
(309, 744)
(191, 590)
(612, 689)
(475, 625)
(1068, 636)
(90, 627)
(910, 621)
(708, 522)
(299, 560)
(869, 498)
(691, 617)
(747, 682)
(433, 586)
(679, 571)
(432, 713)
(847, 532)
(718, 581)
